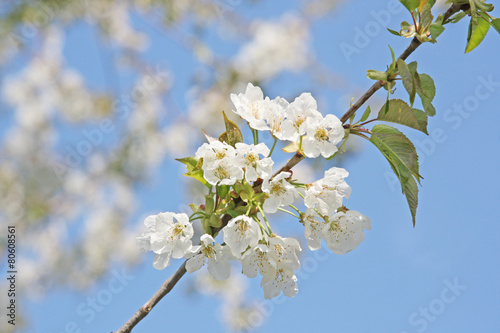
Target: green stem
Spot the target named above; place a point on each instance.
(296, 209)
(289, 212)
(272, 149)
(265, 219)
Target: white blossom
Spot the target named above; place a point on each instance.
(302, 108)
(275, 116)
(281, 192)
(224, 173)
(221, 165)
(255, 166)
(327, 194)
(252, 107)
(215, 152)
(258, 260)
(323, 135)
(240, 233)
(283, 280)
(343, 232)
(313, 229)
(284, 251)
(166, 238)
(218, 257)
(275, 261)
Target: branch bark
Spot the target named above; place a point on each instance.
(172, 281)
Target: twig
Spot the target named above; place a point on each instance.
(171, 282)
(146, 308)
(377, 85)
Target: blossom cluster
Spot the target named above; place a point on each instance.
(296, 121)
(231, 166)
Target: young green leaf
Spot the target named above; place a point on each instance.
(478, 28)
(401, 113)
(193, 165)
(426, 16)
(436, 29)
(423, 3)
(223, 190)
(411, 5)
(407, 77)
(366, 114)
(495, 23)
(393, 64)
(394, 32)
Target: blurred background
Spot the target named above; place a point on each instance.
(99, 97)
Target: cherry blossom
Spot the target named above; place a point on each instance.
(167, 238)
(281, 192)
(240, 233)
(255, 166)
(323, 135)
(327, 194)
(218, 257)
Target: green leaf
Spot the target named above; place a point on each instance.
(376, 75)
(412, 66)
(478, 28)
(426, 16)
(394, 32)
(495, 23)
(423, 3)
(402, 156)
(223, 190)
(193, 165)
(366, 114)
(455, 18)
(398, 150)
(209, 203)
(393, 64)
(190, 162)
(232, 135)
(436, 29)
(428, 87)
(410, 190)
(411, 5)
(430, 110)
(407, 77)
(401, 113)
(198, 175)
(214, 221)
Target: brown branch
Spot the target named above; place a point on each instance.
(146, 308)
(172, 281)
(377, 85)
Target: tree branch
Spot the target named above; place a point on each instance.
(146, 308)
(172, 281)
(377, 85)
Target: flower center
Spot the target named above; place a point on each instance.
(221, 172)
(321, 134)
(251, 159)
(277, 189)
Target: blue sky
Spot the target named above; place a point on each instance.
(441, 276)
